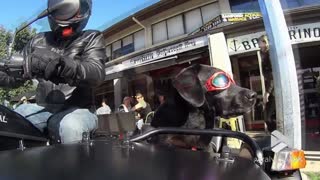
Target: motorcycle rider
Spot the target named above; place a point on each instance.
(68, 62)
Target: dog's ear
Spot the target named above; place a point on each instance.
(188, 85)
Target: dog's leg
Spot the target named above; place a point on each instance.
(178, 140)
(209, 116)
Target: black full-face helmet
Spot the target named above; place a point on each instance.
(65, 24)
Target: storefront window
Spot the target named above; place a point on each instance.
(288, 4)
(108, 52)
(193, 20)
(307, 63)
(187, 22)
(139, 40)
(126, 45)
(209, 12)
(175, 27)
(253, 5)
(238, 6)
(116, 49)
(249, 77)
(310, 72)
(159, 32)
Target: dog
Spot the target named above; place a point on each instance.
(200, 94)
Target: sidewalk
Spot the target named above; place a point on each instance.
(312, 166)
(312, 169)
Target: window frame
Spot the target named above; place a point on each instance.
(152, 28)
(183, 19)
(121, 40)
(183, 25)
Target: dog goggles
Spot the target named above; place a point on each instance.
(219, 81)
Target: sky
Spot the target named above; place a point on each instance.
(104, 12)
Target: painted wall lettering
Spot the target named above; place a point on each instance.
(297, 34)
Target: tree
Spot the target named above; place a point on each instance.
(4, 41)
(9, 93)
(23, 37)
(20, 41)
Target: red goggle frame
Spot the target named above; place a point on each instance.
(219, 81)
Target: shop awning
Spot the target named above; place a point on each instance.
(160, 63)
(159, 58)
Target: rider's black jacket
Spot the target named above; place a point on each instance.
(88, 49)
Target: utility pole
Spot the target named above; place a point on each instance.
(284, 72)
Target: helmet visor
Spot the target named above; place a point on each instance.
(70, 11)
(63, 9)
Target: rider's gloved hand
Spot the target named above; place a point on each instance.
(51, 66)
(42, 62)
(68, 68)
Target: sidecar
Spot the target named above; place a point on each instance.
(113, 159)
(26, 154)
(16, 132)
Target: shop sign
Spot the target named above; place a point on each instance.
(245, 43)
(227, 17)
(209, 25)
(158, 54)
(298, 34)
(240, 17)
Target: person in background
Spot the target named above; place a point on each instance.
(161, 97)
(268, 97)
(142, 107)
(23, 100)
(126, 105)
(104, 109)
(6, 103)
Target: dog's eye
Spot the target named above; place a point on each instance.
(220, 81)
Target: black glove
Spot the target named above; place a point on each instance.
(68, 69)
(42, 62)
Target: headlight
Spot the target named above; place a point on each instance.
(288, 159)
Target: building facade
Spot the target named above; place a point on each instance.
(148, 48)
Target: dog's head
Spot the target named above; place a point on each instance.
(199, 84)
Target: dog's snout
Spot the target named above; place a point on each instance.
(251, 95)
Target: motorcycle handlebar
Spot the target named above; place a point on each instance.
(214, 132)
(15, 70)
(3, 65)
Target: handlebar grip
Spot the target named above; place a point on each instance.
(2, 66)
(14, 70)
(14, 66)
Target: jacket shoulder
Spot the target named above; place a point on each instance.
(42, 34)
(92, 33)
(39, 37)
(94, 38)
